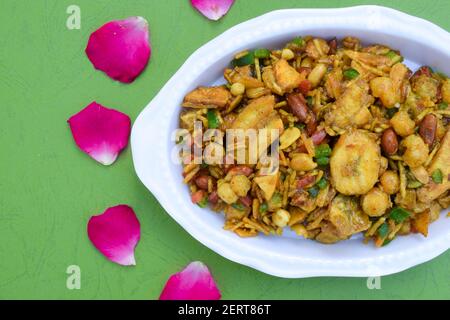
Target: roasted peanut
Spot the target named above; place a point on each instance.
(302, 162)
(298, 106)
(202, 182)
(427, 129)
(389, 141)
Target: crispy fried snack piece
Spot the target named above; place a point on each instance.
(355, 163)
(441, 161)
(207, 97)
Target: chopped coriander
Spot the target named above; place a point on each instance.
(298, 41)
(310, 101)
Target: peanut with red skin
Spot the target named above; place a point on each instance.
(389, 141)
(213, 198)
(427, 129)
(202, 182)
(298, 106)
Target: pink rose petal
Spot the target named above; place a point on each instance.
(100, 132)
(120, 48)
(212, 9)
(195, 282)
(115, 233)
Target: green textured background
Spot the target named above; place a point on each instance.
(49, 189)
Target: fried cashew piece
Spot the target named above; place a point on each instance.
(441, 161)
(355, 163)
(282, 78)
(207, 97)
(346, 215)
(351, 108)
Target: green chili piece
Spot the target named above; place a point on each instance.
(261, 53)
(383, 230)
(313, 192)
(245, 60)
(203, 203)
(399, 214)
(437, 176)
(394, 56)
(351, 74)
(213, 120)
(322, 183)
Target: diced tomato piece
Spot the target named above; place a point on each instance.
(246, 171)
(246, 201)
(305, 181)
(202, 182)
(197, 196)
(305, 86)
(213, 197)
(318, 137)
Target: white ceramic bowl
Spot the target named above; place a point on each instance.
(421, 42)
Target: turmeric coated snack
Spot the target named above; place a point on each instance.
(362, 142)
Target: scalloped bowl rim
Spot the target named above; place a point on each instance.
(282, 256)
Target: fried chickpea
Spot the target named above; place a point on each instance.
(375, 202)
(416, 151)
(390, 182)
(402, 124)
(281, 218)
(240, 185)
(237, 89)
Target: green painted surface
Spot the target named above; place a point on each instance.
(49, 189)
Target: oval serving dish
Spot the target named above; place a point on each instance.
(289, 256)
